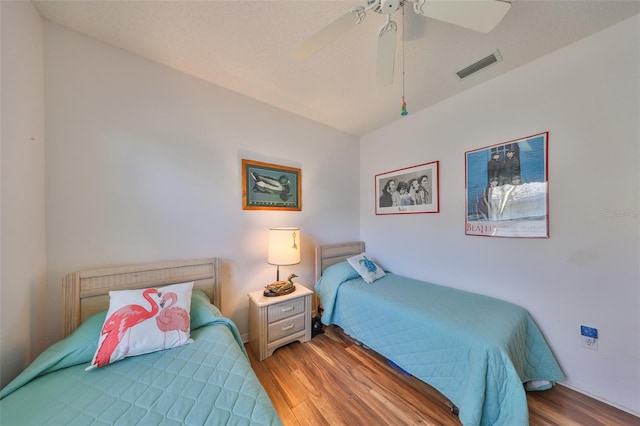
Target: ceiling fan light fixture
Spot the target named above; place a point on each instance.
(491, 59)
(476, 15)
(387, 7)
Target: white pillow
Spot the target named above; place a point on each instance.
(367, 269)
(143, 321)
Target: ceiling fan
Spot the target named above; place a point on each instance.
(478, 15)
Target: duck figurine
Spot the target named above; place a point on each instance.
(280, 288)
(270, 185)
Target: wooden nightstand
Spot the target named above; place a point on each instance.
(277, 321)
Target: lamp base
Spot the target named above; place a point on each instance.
(279, 288)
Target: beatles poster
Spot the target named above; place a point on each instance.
(408, 190)
(507, 189)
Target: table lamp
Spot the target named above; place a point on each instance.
(284, 249)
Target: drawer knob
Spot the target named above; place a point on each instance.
(288, 308)
(289, 327)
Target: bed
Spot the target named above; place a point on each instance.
(481, 353)
(208, 381)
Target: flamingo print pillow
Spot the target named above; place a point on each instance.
(143, 321)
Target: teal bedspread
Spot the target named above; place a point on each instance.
(476, 350)
(209, 381)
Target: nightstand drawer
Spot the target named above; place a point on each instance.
(285, 309)
(284, 328)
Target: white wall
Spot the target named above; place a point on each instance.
(587, 272)
(143, 164)
(23, 293)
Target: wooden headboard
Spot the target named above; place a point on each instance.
(87, 292)
(330, 254)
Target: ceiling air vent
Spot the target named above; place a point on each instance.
(481, 64)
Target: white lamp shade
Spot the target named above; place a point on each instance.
(284, 246)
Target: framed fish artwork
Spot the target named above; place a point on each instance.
(268, 186)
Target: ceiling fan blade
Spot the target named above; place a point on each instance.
(477, 15)
(386, 54)
(329, 33)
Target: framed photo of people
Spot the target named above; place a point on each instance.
(506, 187)
(409, 190)
(268, 186)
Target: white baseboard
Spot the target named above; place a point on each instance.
(590, 395)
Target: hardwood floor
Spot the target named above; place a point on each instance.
(333, 381)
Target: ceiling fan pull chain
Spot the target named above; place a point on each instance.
(403, 103)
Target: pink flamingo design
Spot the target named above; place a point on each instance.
(120, 322)
(172, 318)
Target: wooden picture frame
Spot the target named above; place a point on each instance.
(268, 186)
(392, 197)
(507, 189)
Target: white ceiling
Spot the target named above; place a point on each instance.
(246, 47)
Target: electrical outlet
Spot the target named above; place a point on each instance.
(589, 337)
(590, 343)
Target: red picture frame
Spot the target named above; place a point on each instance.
(410, 190)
